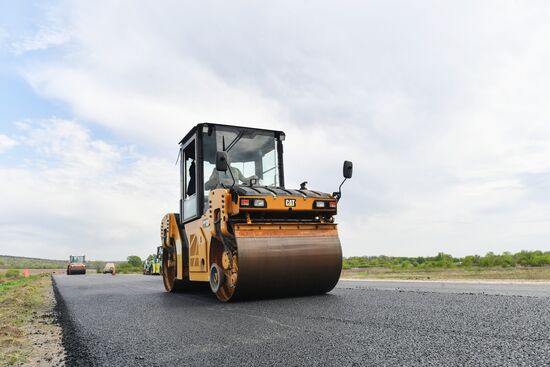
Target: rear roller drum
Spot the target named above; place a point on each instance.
(169, 270)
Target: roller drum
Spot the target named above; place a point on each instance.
(287, 260)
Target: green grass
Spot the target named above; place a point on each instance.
(17, 262)
(20, 298)
(442, 260)
(474, 273)
(523, 265)
(126, 268)
(6, 283)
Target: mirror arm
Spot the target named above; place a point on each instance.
(232, 177)
(231, 173)
(338, 194)
(340, 187)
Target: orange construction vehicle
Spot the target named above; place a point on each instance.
(77, 265)
(239, 228)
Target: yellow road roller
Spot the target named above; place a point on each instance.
(239, 228)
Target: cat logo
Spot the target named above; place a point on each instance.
(290, 203)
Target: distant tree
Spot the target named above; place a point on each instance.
(443, 260)
(134, 260)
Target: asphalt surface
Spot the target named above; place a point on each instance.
(130, 320)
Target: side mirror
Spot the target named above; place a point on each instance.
(348, 172)
(221, 161)
(348, 169)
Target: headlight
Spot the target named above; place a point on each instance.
(324, 204)
(253, 203)
(259, 203)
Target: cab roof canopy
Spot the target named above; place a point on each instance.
(277, 133)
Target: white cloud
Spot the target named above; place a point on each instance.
(77, 194)
(443, 107)
(43, 39)
(42, 33)
(6, 143)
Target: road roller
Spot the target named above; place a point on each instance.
(239, 228)
(77, 265)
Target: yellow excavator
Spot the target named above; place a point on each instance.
(239, 228)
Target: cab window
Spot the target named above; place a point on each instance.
(189, 181)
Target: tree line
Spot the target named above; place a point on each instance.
(442, 260)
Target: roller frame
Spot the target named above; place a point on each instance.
(266, 259)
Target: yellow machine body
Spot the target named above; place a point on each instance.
(253, 241)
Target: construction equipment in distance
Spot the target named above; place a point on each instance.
(109, 268)
(77, 265)
(147, 265)
(157, 262)
(239, 228)
(153, 264)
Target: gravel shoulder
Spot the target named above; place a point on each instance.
(45, 334)
(29, 332)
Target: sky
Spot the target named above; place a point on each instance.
(442, 107)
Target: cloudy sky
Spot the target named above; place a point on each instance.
(443, 108)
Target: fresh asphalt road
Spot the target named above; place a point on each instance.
(130, 321)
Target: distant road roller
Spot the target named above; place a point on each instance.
(239, 228)
(77, 265)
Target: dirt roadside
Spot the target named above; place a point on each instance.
(30, 334)
(45, 334)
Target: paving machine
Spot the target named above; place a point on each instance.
(239, 228)
(77, 265)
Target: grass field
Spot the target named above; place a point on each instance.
(21, 300)
(16, 262)
(496, 273)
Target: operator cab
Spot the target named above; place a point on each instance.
(77, 259)
(255, 157)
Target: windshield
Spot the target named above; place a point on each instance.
(77, 259)
(252, 156)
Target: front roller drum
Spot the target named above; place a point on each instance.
(76, 271)
(281, 260)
